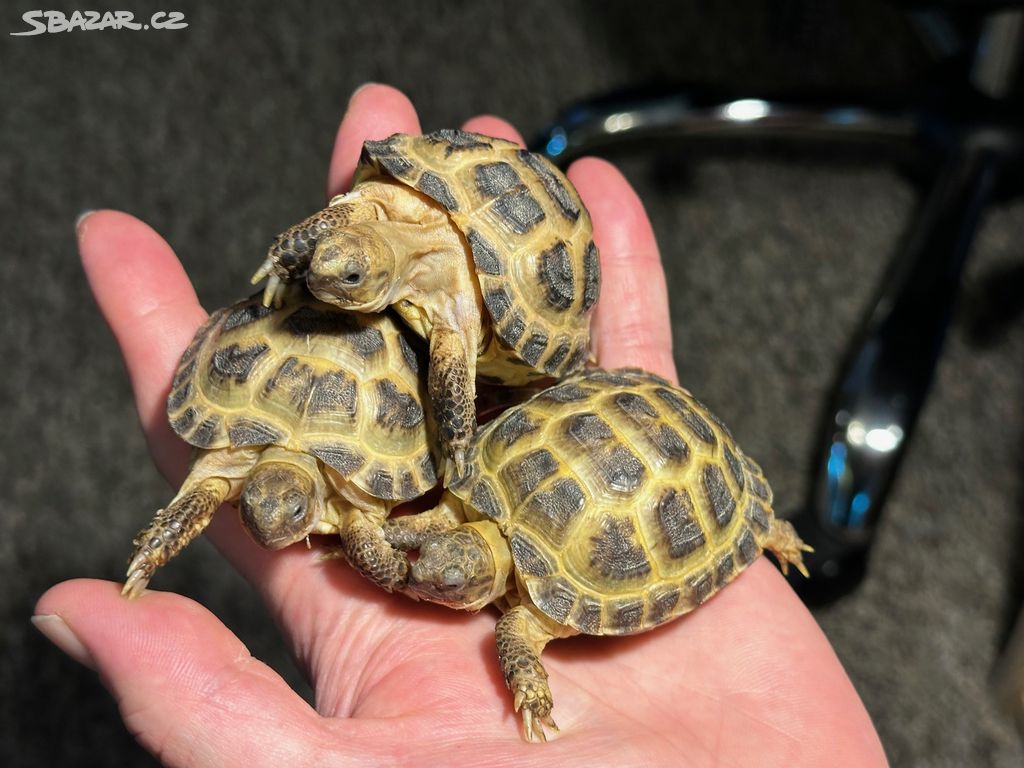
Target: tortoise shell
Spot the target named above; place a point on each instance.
(341, 386)
(624, 500)
(529, 233)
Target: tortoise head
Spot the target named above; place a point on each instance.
(465, 568)
(282, 500)
(354, 268)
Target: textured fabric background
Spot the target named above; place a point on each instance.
(218, 136)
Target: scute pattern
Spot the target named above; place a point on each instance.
(247, 432)
(494, 179)
(615, 552)
(555, 510)
(680, 527)
(310, 377)
(530, 235)
(245, 314)
(234, 363)
(624, 501)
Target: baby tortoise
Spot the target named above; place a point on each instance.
(311, 418)
(606, 505)
(482, 247)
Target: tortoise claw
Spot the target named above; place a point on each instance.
(533, 702)
(459, 463)
(276, 288)
(140, 570)
(533, 726)
(455, 467)
(272, 293)
(265, 269)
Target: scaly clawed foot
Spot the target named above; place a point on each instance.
(521, 636)
(273, 292)
(787, 546)
(533, 701)
(292, 251)
(172, 529)
(153, 547)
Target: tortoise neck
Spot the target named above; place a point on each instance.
(277, 454)
(501, 556)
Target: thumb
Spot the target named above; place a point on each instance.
(186, 686)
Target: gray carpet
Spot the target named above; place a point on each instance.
(218, 136)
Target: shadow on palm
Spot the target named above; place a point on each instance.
(371, 655)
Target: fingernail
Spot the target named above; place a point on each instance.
(81, 220)
(59, 633)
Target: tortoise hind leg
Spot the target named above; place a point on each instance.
(408, 532)
(521, 636)
(172, 529)
(787, 546)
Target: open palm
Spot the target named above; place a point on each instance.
(747, 679)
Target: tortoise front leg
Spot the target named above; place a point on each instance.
(366, 549)
(292, 251)
(451, 385)
(521, 636)
(172, 529)
(408, 532)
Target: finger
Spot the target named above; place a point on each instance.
(152, 310)
(489, 125)
(631, 322)
(147, 299)
(374, 112)
(186, 686)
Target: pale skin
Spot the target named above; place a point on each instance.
(749, 679)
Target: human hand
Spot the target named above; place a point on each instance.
(748, 678)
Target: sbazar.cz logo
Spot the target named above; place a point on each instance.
(43, 22)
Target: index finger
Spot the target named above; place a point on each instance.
(631, 325)
(374, 112)
(149, 303)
